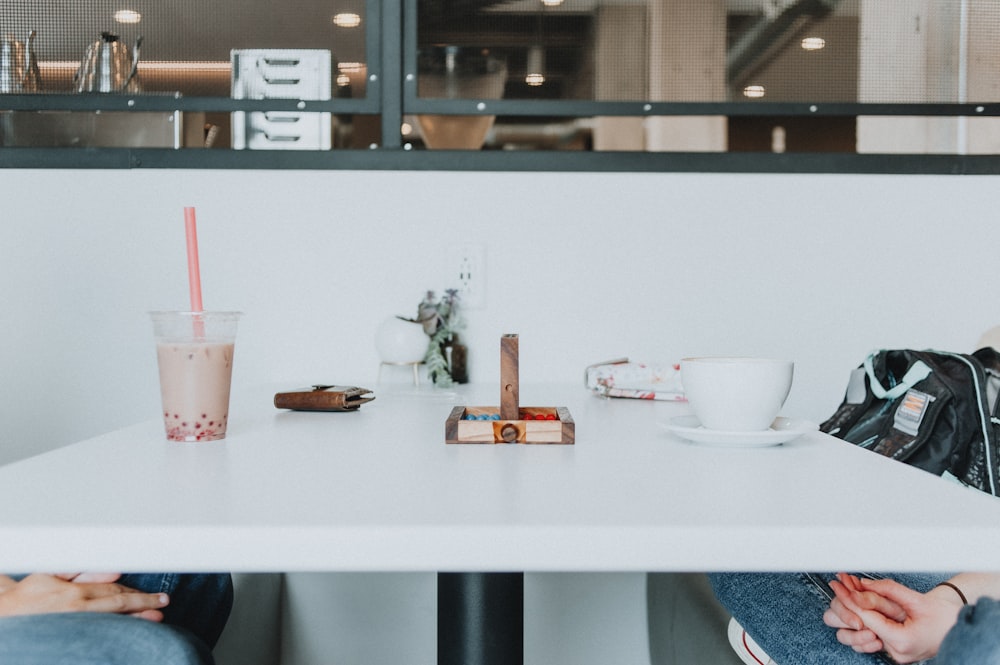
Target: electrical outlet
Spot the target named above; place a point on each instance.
(470, 274)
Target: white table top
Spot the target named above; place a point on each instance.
(379, 490)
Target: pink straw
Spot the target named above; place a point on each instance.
(194, 274)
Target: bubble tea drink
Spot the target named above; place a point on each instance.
(195, 355)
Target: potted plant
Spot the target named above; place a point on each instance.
(445, 356)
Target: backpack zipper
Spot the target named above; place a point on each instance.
(984, 418)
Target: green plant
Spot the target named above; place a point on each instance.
(442, 320)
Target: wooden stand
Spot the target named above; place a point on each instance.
(415, 366)
(511, 423)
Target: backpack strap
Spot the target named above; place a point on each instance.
(918, 372)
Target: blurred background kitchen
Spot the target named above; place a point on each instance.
(757, 75)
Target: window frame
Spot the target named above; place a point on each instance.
(391, 42)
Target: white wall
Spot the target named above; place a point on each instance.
(585, 267)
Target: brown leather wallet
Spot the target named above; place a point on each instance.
(323, 398)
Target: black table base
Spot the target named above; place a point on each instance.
(480, 619)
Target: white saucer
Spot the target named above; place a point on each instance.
(782, 430)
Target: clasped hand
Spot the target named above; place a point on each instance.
(41, 593)
(883, 615)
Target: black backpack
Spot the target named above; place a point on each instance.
(932, 409)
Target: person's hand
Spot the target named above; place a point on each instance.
(845, 609)
(85, 592)
(7, 582)
(82, 578)
(914, 635)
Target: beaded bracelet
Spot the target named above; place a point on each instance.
(956, 589)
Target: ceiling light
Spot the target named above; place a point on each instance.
(350, 67)
(813, 43)
(552, 3)
(346, 20)
(127, 16)
(753, 91)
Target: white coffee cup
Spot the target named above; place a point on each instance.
(736, 394)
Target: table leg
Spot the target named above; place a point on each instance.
(480, 619)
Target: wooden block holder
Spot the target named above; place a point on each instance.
(516, 423)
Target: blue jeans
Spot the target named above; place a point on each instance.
(783, 613)
(199, 603)
(975, 639)
(194, 619)
(86, 638)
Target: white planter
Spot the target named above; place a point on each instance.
(401, 342)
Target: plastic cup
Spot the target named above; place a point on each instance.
(194, 351)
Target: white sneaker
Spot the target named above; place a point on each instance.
(744, 646)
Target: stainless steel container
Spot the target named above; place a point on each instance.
(109, 66)
(101, 129)
(18, 65)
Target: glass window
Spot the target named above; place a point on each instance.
(681, 77)
(183, 46)
(840, 76)
(188, 54)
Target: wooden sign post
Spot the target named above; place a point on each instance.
(509, 387)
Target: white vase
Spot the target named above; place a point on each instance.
(399, 341)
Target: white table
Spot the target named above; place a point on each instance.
(379, 490)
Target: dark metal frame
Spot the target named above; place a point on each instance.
(391, 38)
(463, 160)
